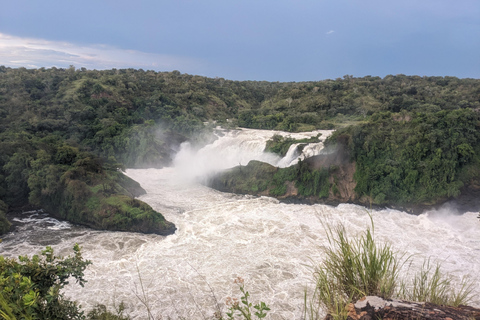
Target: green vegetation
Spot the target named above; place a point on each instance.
(414, 158)
(30, 287)
(4, 223)
(252, 178)
(75, 185)
(400, 159)
(431, 285)
(413, 139)
(354, 268)
(280, 145)
(261, 178)
(100, 312)
(244, 308)
(348, 100)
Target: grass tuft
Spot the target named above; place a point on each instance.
(354, 268)
(430, 284)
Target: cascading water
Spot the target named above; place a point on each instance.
(238, 147)
(221, 236)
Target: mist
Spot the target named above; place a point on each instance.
(239, 147)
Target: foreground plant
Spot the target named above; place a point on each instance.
(243, 309)
(100, 312)
(354, 268)
(430, 284)
(30, 287)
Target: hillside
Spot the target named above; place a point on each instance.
(66, 134)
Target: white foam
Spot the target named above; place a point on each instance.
(270, 244)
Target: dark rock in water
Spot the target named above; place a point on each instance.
(469, 199)
(250, 179)
(371, 307)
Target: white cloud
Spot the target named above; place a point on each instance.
(330, 32)
(35, 53)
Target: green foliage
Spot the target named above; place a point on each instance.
(253, 178)
(312, 182)
(74, 185)
(308, 181)
(4, 223)
(280, 145)
(243, 309)
(352, 269)
(259, 177)
(98, 108)
(30, 287)
(359, 267)
(414, 158)
(100, 312)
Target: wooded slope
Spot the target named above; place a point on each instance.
(73, 129)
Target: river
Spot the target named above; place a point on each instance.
(222, 236)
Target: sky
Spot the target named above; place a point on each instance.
(272, 40)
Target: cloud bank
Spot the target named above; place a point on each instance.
(36, 53)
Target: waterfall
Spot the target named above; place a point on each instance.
(238, 147)
(222, 236)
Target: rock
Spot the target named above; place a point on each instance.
(371, 307)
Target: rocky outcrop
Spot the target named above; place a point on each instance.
(250, 179)
(104, 204)
(342, 171)
(373, 308)
(263, 179)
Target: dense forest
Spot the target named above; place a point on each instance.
(66, 134)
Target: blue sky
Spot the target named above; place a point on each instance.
(273, 40)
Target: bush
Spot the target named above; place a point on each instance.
(100, 312)
(30, 287)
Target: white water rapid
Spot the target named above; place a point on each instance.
(222, 236)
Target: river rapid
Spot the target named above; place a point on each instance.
(222, 236)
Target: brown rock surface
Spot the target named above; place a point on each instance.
(373, 308)
(342, 176)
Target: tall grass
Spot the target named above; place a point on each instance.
(352, 268)
(358, 267)
(430, 284)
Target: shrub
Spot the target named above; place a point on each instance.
(30, 287)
